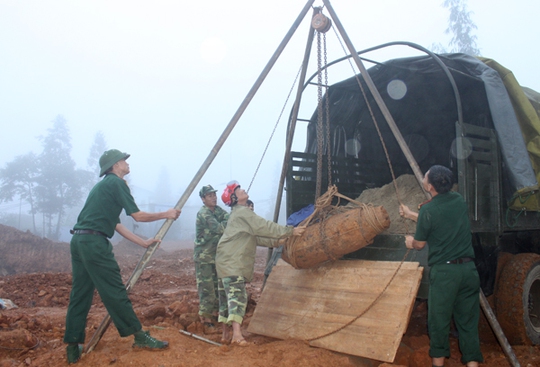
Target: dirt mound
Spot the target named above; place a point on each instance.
(37, 289)
(410, 194)
(23, 252)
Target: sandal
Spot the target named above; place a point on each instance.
(240, 342)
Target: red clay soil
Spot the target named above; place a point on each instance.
(166, 301)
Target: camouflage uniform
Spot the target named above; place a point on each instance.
(209, 228)
(232, 299)
(235, 258)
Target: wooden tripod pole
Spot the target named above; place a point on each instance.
(292, 121)
(195, 181)
(290, 133)
(490, 316)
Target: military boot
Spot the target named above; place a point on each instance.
(144, 340)
(74, 352)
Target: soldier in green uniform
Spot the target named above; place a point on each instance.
(209, 226)
(454, 284)
(92, 259)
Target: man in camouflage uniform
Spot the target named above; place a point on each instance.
(210, 224)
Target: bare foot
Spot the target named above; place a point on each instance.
(226, 335)
(240, 342)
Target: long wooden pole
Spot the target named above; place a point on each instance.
(490, 316)
(195, 181)
(292, 122)
(291, 127)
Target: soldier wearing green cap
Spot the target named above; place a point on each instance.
(92, 259)
(210, 224)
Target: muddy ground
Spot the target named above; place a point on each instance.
(36, 277)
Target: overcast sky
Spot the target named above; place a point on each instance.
(162, 79)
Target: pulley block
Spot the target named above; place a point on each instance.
(321, 23)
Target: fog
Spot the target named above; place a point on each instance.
(162, 79)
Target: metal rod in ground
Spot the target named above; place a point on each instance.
(200, 338)
(490, 316)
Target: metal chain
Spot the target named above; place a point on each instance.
(319, 118)
(327, 106)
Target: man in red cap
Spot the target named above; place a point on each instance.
(235, 257)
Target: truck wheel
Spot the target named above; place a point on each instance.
(503, 259)
(517, 299)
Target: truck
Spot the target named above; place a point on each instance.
(466, 113)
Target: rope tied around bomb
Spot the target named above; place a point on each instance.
(325, 209)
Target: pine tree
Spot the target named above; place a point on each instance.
(96, 150)
(461, 27)
(60, 185)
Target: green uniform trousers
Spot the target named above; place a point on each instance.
(207, 287)
(94, 267)
(454, 292)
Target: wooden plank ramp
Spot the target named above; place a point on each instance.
(308, 303)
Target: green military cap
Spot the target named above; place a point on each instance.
(109, 158)
(206, 190)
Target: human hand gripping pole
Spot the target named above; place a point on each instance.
(405, 212)
(172, 213)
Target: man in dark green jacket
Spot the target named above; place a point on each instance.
(454, 288)
(92, 259)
